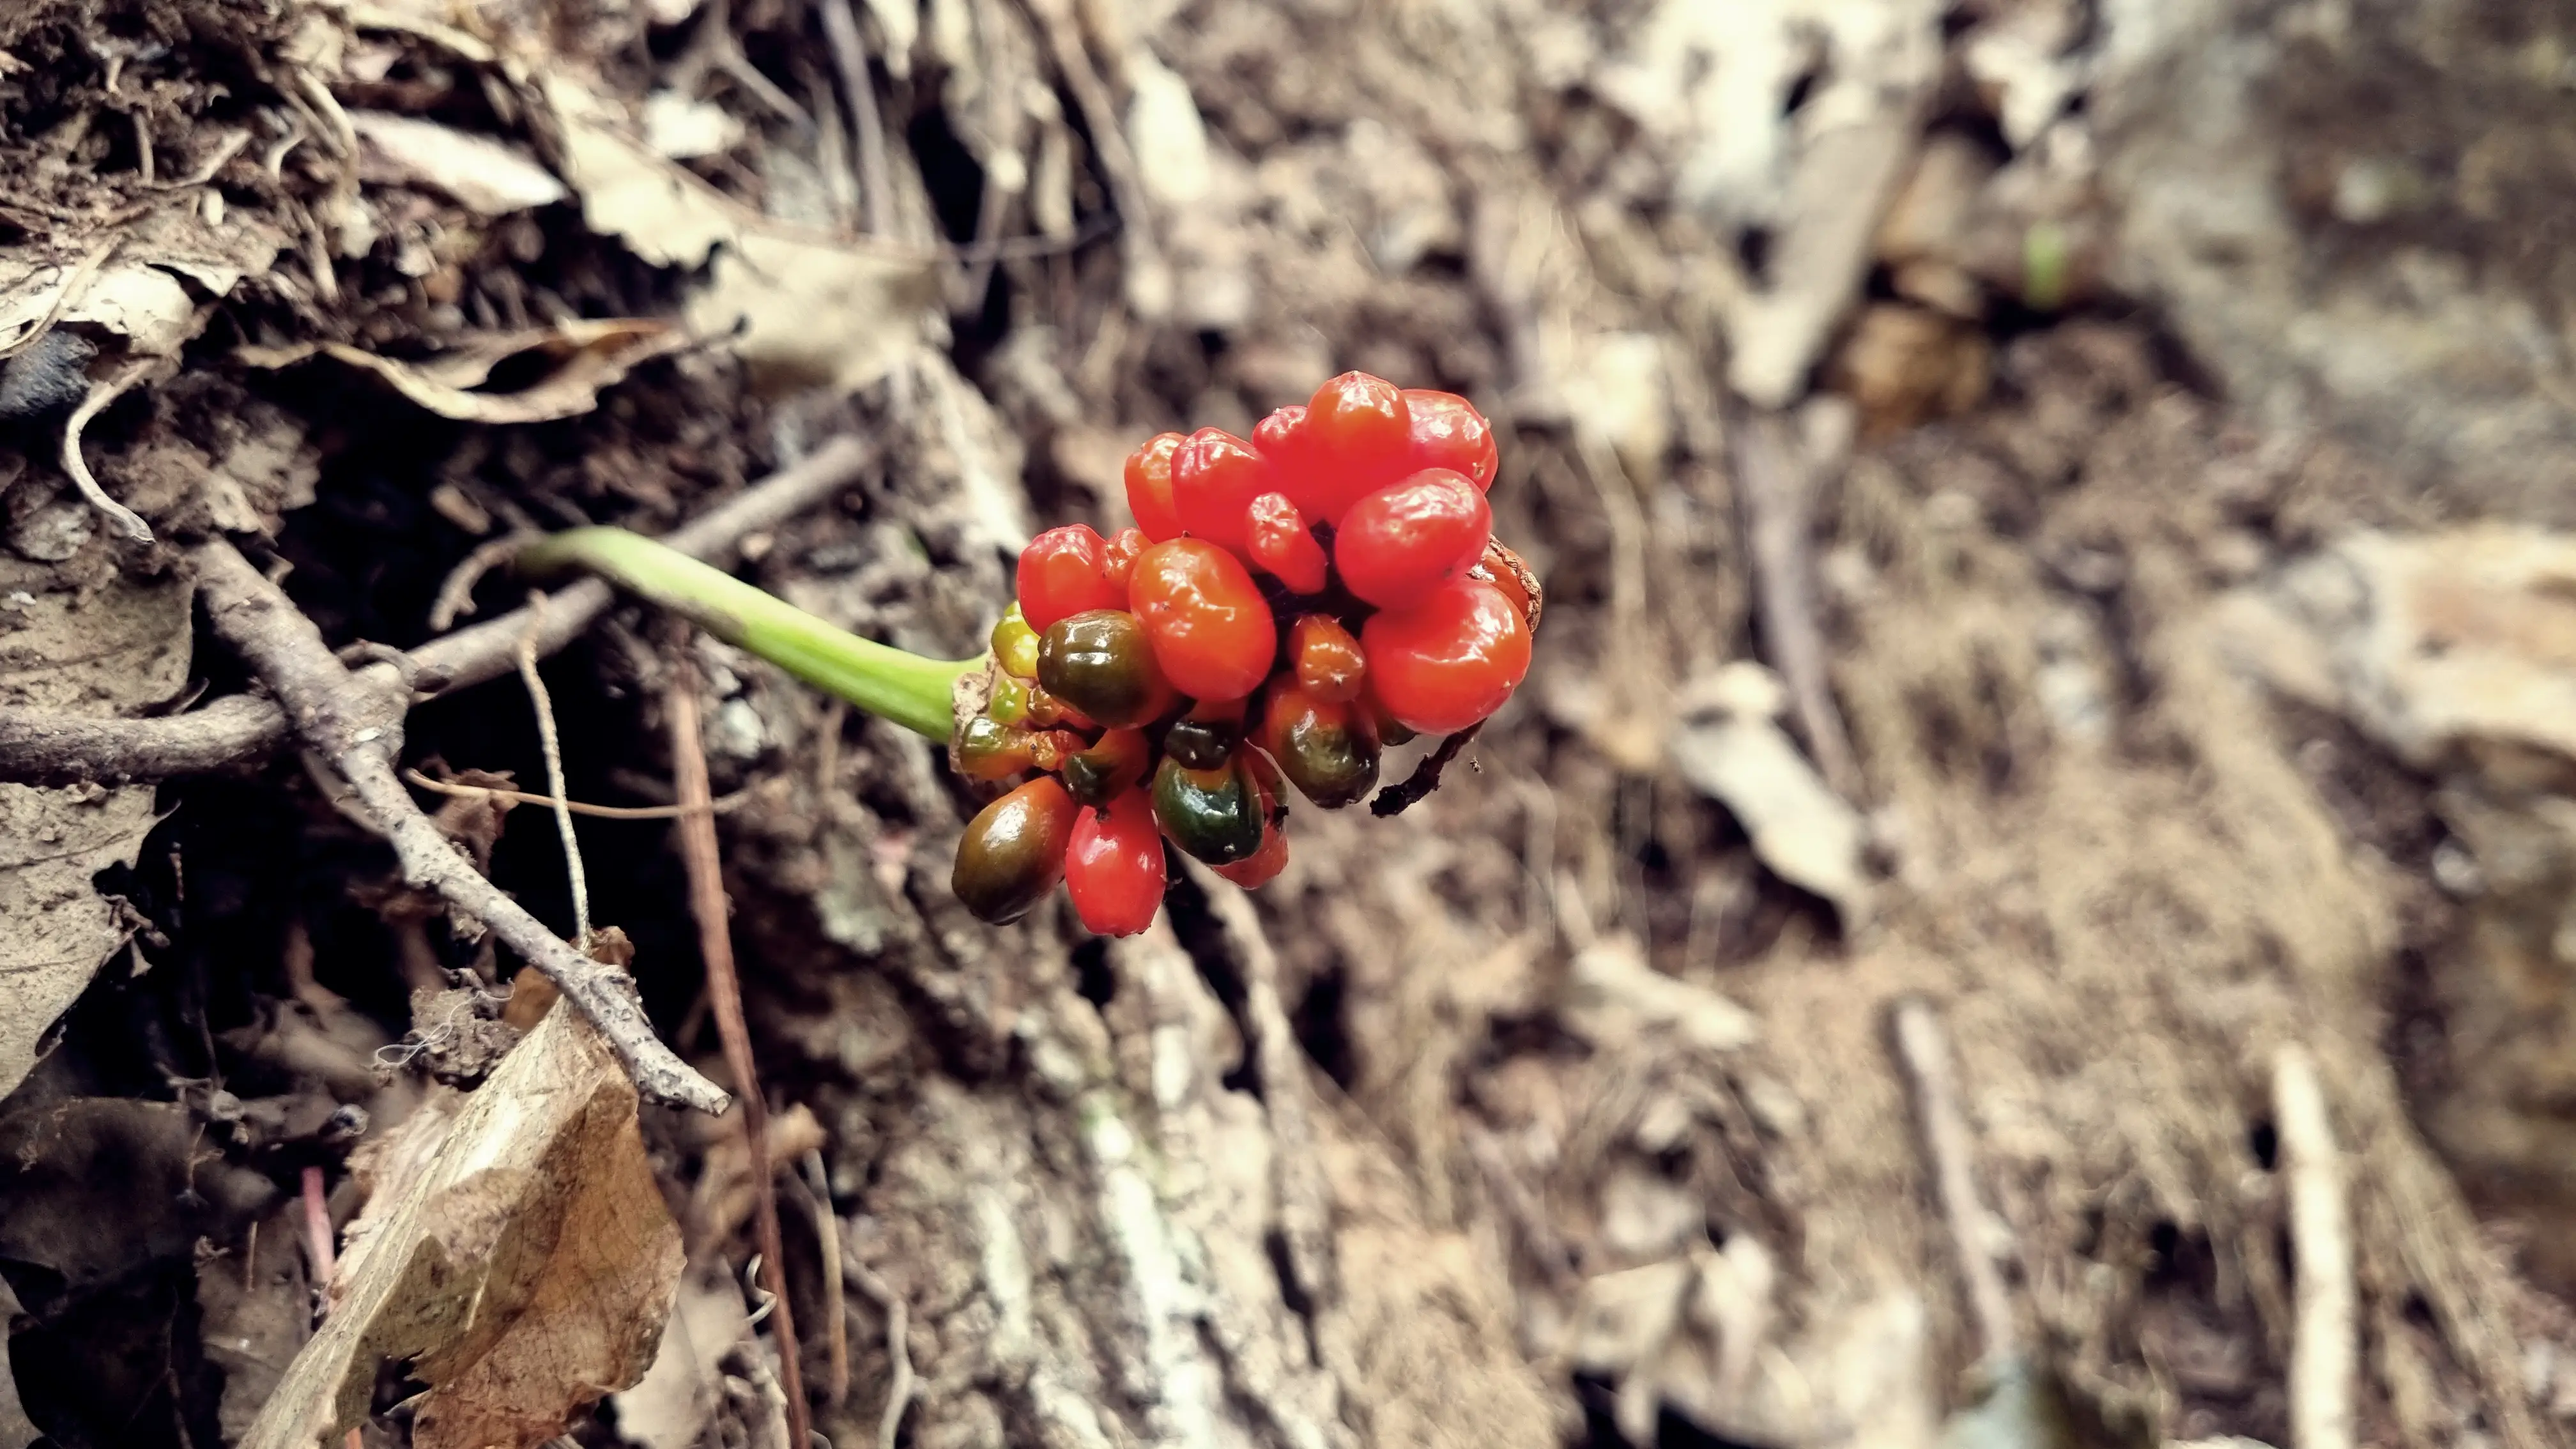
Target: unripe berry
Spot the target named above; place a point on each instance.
(1114, 867)
(1328, 751)
(1328, 660)
(1117, 762)
(989, 750)
(1212, 814)
(1100, 662)
(1015, 644)
(1012, 853)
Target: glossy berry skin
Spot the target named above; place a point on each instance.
(1405, 542)
(1265, 864)
(1114, 867)
(1357, 439)
(1061, 574)
(1214, 815)
(1211, 630)
(1277, 538)
(989, 750)
(1149, 487)
(1013, 851)
(1118, 559)
(1015, 645)
(1450, 660)
(1328, 660)
(1448, 432)
(1215, 477)
(1010, 702)
(1099, 662)
(1281, 437)
(1328, 751)
(1117, 762)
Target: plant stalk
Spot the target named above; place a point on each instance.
(879, 678)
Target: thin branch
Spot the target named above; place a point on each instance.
(1778, 492)
(898, 1317)
(106, 390)
(816, 1189)
(1925, 1050)
(700, 853)
(43, 747)
(551, 744)
(355, 725)
(724, 804)
(2324, 1355)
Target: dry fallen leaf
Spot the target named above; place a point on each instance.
(1613, 997)
(104, 650)
(1731, 748)
(482, 174)
(588, 357)
(679, 1396)
(800, 308)
(522, 1266)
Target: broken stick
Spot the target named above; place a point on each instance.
(2325, 1354)
(354, 723)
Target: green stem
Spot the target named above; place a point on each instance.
(883, 680)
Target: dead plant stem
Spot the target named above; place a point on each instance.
(1925, 1049)
(552, 745)
(705, 862)
(2325, 1353)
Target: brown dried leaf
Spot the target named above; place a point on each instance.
(482, 174)
(523, 1265)
(588, 357)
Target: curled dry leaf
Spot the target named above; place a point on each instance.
(111, 649)
(799, 307)
(587, 357)
(1730, 747)
(482, 174)
(516, 1254)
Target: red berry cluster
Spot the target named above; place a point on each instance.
(1284, 606)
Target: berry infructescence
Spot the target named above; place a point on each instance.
(1285, 606)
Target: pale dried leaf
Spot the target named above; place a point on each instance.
(483, 174)
(1613, 997)
(1739, 757)
(588, 357)
(523, 1270)
(800, 308)
(107, 651)
(134, 286)
(681, 1393)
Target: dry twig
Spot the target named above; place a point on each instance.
(817, 1192)
(355, 725)
(2325, 1354)
(102, 392)
(1779, 496)
(698, 850)
(1925, 1050)
(41, 747)
(723, 805)
(898, 1319)
(552, 745)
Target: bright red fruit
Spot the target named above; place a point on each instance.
(1118, 557)
(1448, 432)
(1357, 439)
(1149, 487)
(1215, 477)
(1280, 543)
(1113, 866)
(1450, 660)
(1211, 630)
(1328, 660)
(1061, 574)
(1402, 543)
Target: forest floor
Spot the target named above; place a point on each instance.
(2023, 901)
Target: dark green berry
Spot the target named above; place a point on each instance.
(1100, 662)
(1213, 814)
(1012, 853)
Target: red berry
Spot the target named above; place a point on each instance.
(1215, 477)
(1399, 545)
(1281, 436)
(1118, 558)
(1328, 660)
(1450, 660)
(1448, 432)
(1149, 487)
(1113, 867)
(1266, 863)
(1211, 630)
(1060, 575)
(1357, 439)
(1280, 543)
